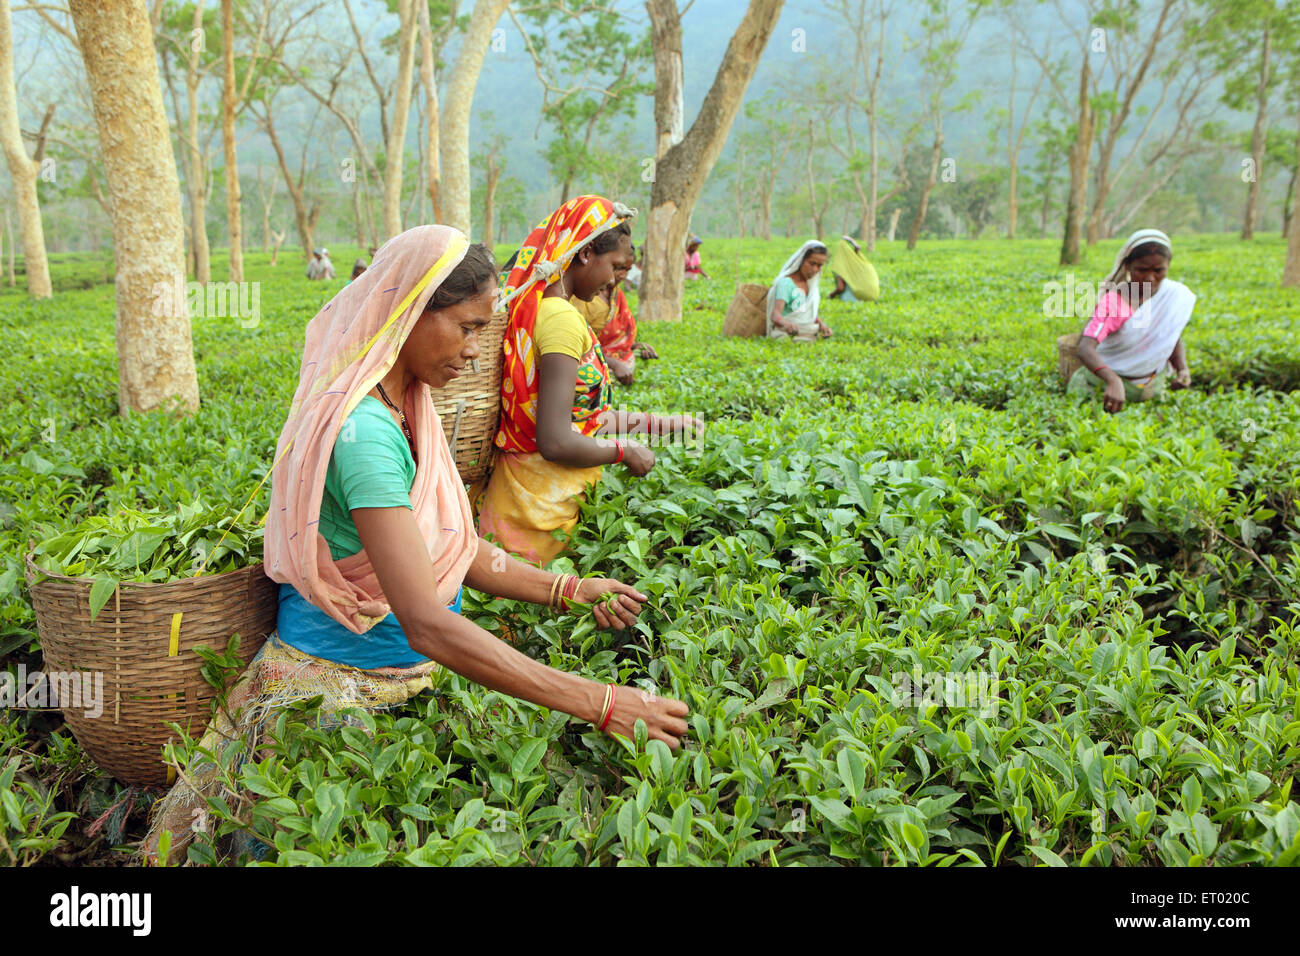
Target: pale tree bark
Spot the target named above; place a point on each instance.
(22, 168)
(155, 350)
(9, 231)
(197, 182)
(454, 138)
(865, 21)
(1080, 152)
(234, 221)
(395, 148)
(1127, 88)
(1258, 136)
(683, 161)
(1015, 141)
(267, 199)
(931, 178)
(491, 176)
(1291, 271)
(428, 80)
(304, 217)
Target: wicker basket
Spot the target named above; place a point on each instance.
(470, 406)
(142, 642)
(1067, 356)
(747, 316)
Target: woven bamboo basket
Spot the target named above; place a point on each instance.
(746, 316)
(470, 406)
(142, 643)
(1067, 356)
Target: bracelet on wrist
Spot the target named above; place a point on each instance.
(611, 697)
(569, 591)
(619, 445)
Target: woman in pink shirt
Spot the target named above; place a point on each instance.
(1134, 337)
(693, 268)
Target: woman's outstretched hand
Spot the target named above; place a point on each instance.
(665, 718)
(619, 611)
(1182, 379)
(1112, 399)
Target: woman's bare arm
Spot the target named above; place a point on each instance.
(400, 558)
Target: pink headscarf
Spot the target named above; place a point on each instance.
(351, 344)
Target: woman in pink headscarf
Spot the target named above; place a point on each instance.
(370, 531)
(374, 538)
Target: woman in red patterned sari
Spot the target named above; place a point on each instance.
(555, 386)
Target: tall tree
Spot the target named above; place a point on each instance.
(1079, 156)
(590, 68)
(229, 93)
(767, 143)
(1127, 73)
(394, 149)
(454, 132)
(22, 168)
(683, 160)
(155, 351)
(1016, 127)
(945, 35)
(860, 88)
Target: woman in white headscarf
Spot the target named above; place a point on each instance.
(1134, 338)
(793, 300)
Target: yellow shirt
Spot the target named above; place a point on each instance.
(597, 312)
(561, 328)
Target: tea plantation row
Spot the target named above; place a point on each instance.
(924, 607)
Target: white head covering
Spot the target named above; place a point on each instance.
(792, 266)
(1135, 240)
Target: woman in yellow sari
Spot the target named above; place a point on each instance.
(555, 388)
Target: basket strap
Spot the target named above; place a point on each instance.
(455, 428)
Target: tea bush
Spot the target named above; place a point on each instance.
(925, 608)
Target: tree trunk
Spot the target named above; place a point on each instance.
(1288, 208)
(1258, 135)
(234, 220)
(155, 351)
(9, 235)
(914, 232)
(683, 166)
(1012, 165)
(1118, 117)
(395, 148)
(454, 145)
(304, 220)
(22, 168)
(1291, 271)
(197, 186)
(893, 222)
(357, 219)
(1080, 150)
(490, 177)
(431, 111)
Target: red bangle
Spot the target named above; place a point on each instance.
(613, 699)
(1099, 369)
(569, 591)
(619, 445)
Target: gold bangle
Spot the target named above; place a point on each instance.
(555, 587)
(604, 707)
